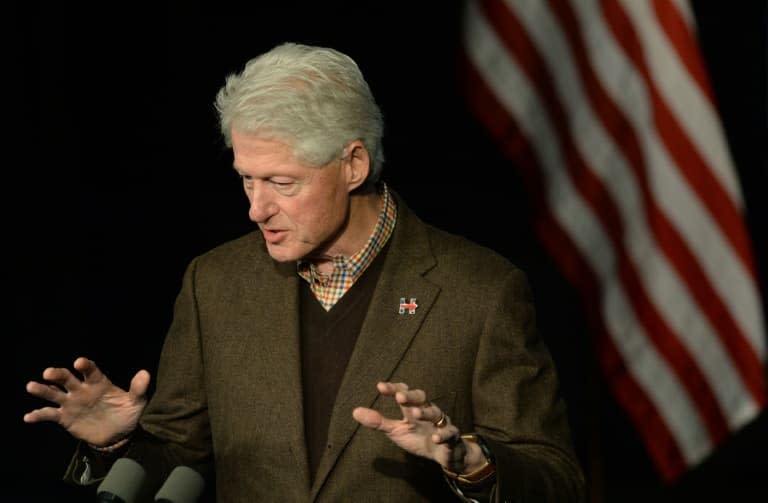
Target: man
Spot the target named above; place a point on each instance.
(342, 310)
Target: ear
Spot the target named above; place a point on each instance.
(356, 164)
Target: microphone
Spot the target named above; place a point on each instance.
(183, 485)
(122, 483)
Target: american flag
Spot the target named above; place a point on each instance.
(606, 109)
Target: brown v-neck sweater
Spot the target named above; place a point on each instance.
(327, 340)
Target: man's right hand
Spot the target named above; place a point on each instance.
(91, 409)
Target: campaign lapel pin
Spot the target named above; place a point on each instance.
(410, 305)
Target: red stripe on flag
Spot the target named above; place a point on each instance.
(684, 42)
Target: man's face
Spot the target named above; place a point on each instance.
(300, 209)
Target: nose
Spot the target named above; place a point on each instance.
(262, 206)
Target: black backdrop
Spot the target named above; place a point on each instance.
(115, 177)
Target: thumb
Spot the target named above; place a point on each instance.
(368, 417)
(140, 384)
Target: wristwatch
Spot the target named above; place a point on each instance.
(482, 473)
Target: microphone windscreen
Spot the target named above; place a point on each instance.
(123, 481)
(183, 485)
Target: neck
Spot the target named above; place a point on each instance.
(363, 214)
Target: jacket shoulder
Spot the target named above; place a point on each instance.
(460, 253)
(231, 256)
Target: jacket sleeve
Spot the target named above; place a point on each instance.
(517, 407)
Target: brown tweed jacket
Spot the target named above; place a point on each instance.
(229, 390)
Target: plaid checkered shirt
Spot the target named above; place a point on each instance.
(329, 288)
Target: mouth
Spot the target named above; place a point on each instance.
(273, 236)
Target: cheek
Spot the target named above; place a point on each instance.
(320, 212)
(323, 215)
(337, 207)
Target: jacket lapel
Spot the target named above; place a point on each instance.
(385, 334)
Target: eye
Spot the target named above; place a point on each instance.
(285, 186)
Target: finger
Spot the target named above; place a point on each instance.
(390, 388)
(89, 370)
(448, 435)
(44, 414)
(45, 391)
(62, 377)
(432, 413)
(404, 396)
(412, 398)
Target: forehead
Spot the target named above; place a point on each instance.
(259, 153)
(245, 145)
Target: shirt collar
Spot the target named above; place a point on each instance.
(356, 264)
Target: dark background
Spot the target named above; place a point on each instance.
(115, 176)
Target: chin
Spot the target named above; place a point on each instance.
(283, 257)
(280, 254)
